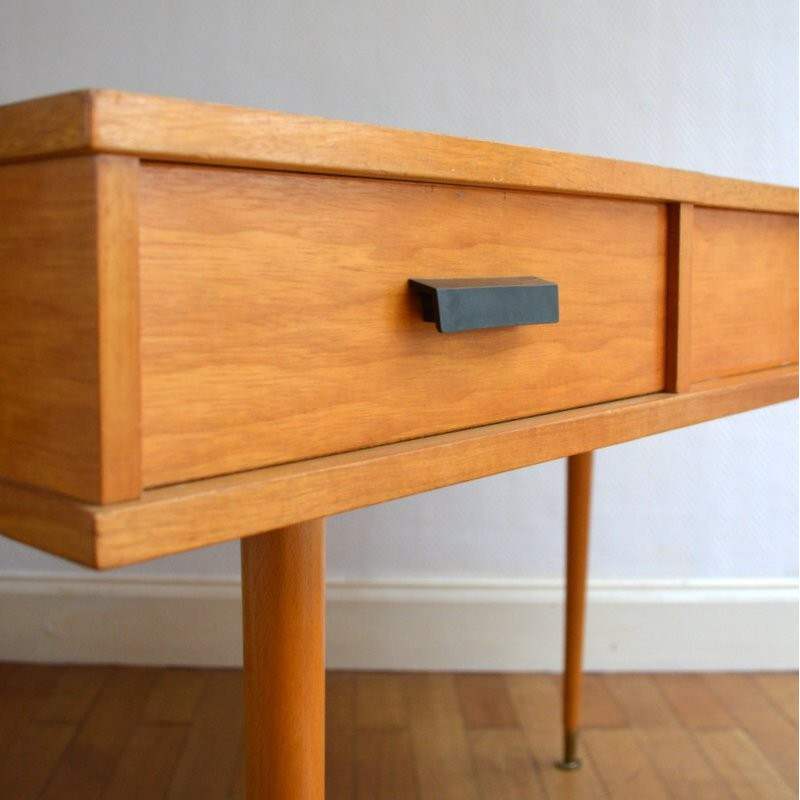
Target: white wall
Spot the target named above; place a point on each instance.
(707, 86)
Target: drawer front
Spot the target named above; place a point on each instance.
(277, 322)
(744, 292)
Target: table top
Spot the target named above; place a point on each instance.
(175, 130)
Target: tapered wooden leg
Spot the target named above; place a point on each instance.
(579, 489)
(283, 595)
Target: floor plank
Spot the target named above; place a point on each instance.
(384, 766)
(23, 693)
(72, 694)
(89, 762)
(175, 696)
(484, 701)
(743, 766)
(147, 764)
(207, 766)
(640, 700)
(673, 752)
(623, 765)
(441, 752)
(29, 762)
(118, 733)
(758, 717)
(692, 702)
(7, 669)
(380, 702)
(504, 766)
(782, 689)
(599, 708)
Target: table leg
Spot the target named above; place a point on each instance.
(283, 595)
(579, 489)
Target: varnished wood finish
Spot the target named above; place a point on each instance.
(177, 518)
(277, 322)
(185, 131)
(119, 364)
(223, 394)
(49, 521)
(69, 364)
(579, 494)
(744, 292)
(283, 594)
(679, 301)
(193, 748)
(48, 126)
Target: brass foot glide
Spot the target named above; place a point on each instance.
(570, 762)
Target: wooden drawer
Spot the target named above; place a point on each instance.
(276, 321)
(744, 292)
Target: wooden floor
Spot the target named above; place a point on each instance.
(122, 733)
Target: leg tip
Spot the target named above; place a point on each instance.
(570, 762)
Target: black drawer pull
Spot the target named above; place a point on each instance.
(465, 304)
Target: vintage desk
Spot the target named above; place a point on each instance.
(208, 333)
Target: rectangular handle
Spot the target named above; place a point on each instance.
(464, 304)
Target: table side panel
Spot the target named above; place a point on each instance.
(49, 395)
(277, 323)
(69, 363)
(744, 292)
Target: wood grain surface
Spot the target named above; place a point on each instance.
(74, 729)
(283, 602)
(68, 331)
(182, 517)
(186, 131)
(744, 292)
(277, 322)
(579, 505)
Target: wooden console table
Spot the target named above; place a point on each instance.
(208, 332)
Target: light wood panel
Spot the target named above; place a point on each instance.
(277, 321)
(744, 292)
(119, 366)
(187, 131)
(186, 516)
(68, 331)
(49, 521)
(54, 125)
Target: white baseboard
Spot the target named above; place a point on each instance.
(503, 626)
